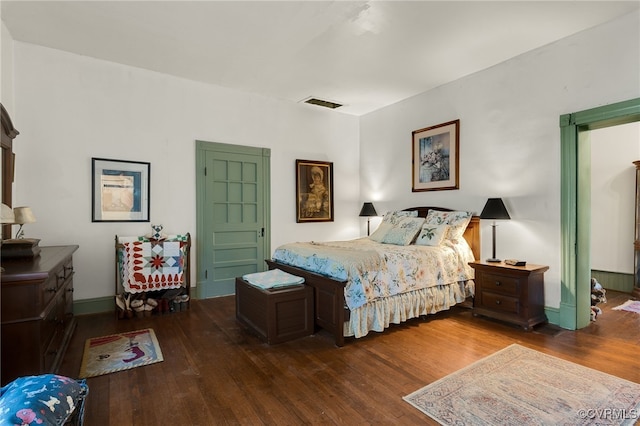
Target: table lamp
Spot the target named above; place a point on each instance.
(368, 211)
(23, 215)
(7, 215)
(494, 209)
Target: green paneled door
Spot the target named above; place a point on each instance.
(232, 215)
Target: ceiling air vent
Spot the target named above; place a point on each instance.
(320, 102)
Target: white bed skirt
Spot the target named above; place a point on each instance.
(377, 315)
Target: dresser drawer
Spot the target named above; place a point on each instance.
(49, 287)
(500, 284)
(52, 351)
(499, 302)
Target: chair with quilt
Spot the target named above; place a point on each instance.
(152, 274)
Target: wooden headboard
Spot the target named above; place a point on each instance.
(471, 234)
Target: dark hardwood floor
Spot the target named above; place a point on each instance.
(216, 373)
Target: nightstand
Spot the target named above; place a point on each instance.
(508, 293)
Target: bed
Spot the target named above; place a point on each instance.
(346, 307)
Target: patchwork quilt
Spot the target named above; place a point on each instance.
(148, 265)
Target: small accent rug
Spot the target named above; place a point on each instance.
(521, 386)
(629, 305)
(109, 354)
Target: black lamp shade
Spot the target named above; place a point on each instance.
(494, 209)
(368, 210)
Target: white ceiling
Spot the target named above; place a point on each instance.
(363, 54)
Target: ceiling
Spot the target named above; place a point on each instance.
(362, 54)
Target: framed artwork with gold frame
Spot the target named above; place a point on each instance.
(314, 191)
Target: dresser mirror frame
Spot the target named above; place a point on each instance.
(8, 163)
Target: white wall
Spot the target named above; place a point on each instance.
(70, 108)
(613, 196)
(6, 69)
(510, 137)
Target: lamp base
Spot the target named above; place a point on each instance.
(493, 260)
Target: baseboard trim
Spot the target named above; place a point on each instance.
(616, 281)
(553, 315)
(94, 306)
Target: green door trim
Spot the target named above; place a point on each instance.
(575, 208)
(201, 148)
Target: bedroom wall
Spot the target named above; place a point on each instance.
(510, 137)
(6, 69)
(613, 190)
(70, 108)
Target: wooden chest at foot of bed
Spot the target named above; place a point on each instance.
(277, 315)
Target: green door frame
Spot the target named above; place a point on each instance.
(575, 204)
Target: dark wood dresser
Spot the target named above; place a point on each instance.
(510, 293)
(37, 312)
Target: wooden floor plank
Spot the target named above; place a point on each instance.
(216, 372)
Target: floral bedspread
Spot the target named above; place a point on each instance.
(374, 270)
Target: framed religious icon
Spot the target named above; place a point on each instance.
(435, 157)
(314, 191)
(120, 190)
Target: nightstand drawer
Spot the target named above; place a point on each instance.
(500, 302)
(500, 284)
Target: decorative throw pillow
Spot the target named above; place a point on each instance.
(404, 232)
(389, 220)
(457, 221)
(47, 399)
(432, 235)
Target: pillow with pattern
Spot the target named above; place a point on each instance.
(432, 235)
(457, 221)
(404, 232)
(389, 220)
(48, 399)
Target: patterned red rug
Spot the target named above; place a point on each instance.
(521, 386)
(118, 352)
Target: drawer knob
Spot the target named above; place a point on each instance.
(68, 269)
(498, 283)
(498, 302)
(51, 289)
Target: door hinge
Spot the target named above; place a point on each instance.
(205, 171)
(206, 274)
(262, 232)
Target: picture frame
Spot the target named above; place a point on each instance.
(435, 157)
(314, 191)
(120, 190)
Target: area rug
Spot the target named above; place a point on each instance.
(629, 305)
(521, 386)
(117, 352)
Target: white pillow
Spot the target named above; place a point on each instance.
(457, 220)
(432, 235)
(381, 231)
(389, 220)
(404, 232)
